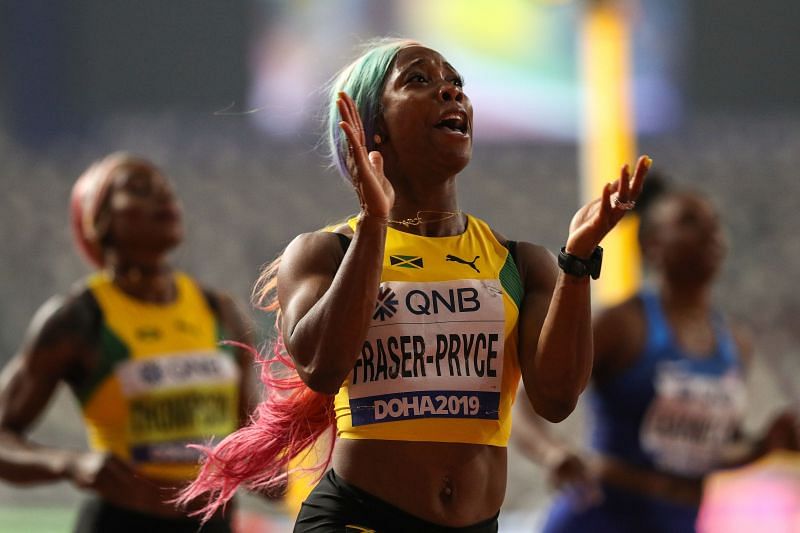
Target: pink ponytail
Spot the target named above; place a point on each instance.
(290, 420)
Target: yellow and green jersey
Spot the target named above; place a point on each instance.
(440, 359)
(161, 381)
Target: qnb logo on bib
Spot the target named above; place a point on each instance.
(691, 419)
(434, 302)
(433, 350)
(386, 306)
(175, 372)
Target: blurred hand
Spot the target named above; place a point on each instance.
(572, 474)
(375, 193)
(783, 433)
(595, 219)
(116, 482)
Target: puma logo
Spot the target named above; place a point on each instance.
(471, 264)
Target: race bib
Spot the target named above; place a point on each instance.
(433, 350)
(691, 419)
(178, 400)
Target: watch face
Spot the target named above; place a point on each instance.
(572, 265)
(581, 267)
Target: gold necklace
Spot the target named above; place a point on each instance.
(418, 219)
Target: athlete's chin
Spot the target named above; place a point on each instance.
(456, 161)
(700, 274)
(172, 239)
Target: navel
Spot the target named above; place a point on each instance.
(446, 494)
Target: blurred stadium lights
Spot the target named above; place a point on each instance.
(520, 60)
(608, 133)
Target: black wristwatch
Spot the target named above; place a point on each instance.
(575, 266)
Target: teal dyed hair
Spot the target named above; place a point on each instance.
(363, 80)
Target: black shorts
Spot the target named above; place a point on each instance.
(334, 506)
(99, 516)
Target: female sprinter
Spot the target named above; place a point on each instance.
(410, 325)
(137, 343)
(668, 393)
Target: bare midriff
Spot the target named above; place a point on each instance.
(448, 484)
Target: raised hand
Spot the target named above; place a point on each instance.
(375, 193)
(595, 219)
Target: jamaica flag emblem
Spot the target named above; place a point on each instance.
(406, 261)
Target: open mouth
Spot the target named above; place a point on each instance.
(455, 122)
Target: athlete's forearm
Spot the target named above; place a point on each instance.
(562, 364)
(25, 462)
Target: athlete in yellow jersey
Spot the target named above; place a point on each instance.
(439, 362)
(138, 345)
(165, 383)
(410, 327)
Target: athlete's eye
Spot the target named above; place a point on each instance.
(418, 78)
(458, 81)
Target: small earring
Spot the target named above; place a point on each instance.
(377, 139)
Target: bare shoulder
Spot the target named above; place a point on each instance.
(59, 345)
(62, 336)
(621, 314)
(619, 333)
(313, 251)
(537, 266)
(69, 318)
(535, 255)
(307, 268)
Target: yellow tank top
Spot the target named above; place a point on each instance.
(161, 383)
(439, 362)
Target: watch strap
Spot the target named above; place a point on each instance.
(576, 266)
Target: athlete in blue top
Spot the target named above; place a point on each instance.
(668, 394)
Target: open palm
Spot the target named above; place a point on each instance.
(595, 219)
(366, 170)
